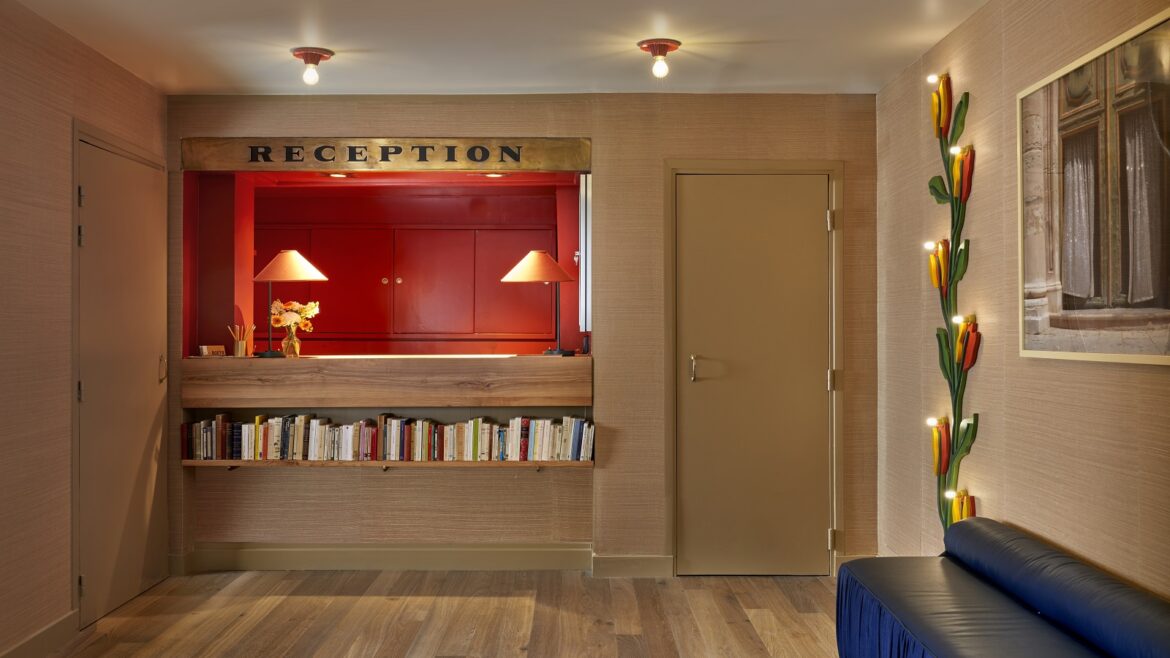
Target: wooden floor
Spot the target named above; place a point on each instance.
(540, 613)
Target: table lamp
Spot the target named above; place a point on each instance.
(288, 265)
(538, 266)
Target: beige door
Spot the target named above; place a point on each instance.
(122, 334)
(753, 347)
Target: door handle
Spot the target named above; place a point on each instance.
(694, 367)
(162, 368)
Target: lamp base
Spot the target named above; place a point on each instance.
(271, 354)
(555, 352)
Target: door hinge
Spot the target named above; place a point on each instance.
(80, 196)
(829, 223)
(80, 586)
(79, 390)
(832, 539)
(80, 235)
(831, 379)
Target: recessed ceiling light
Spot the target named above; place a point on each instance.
(495, 175)
(339, 175)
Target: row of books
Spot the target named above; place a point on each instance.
(389, 438)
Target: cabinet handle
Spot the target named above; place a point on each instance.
(385, 280)
(694, 367)
(398, 280)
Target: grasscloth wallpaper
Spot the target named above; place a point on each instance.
(1076, 452)
(51, 79)
(633, 136)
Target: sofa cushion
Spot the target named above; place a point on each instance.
(931, 606)
(1120, 619)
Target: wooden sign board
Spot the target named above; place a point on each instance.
(386, 154)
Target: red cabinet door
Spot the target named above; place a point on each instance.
(434, 281)
(269, 242)
(514, 309)
(356, 298)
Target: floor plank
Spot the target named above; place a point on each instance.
(448, 614)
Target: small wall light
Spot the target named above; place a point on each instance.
(658, 48)
(311, 57)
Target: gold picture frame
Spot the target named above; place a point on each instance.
(1093, 184)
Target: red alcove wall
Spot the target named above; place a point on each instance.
(414, 260)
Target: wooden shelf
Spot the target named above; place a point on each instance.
(384, 465)
(396, 381)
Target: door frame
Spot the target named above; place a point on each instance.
(94, 136)
(835, 170)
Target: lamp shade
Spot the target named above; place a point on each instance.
(290, 265)
(537, 266)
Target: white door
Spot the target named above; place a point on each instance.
(122, 338)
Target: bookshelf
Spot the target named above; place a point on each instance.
(232, 464)
(321, 383)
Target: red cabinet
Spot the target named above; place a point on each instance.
(434, 281)
(511, 309)
(356, 298)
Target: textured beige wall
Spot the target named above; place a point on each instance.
(632, 135)
(48, 79)
(1076, 452)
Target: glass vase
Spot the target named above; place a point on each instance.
(291, 345)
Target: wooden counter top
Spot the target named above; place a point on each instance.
(388, 381)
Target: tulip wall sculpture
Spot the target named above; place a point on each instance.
(959, 338)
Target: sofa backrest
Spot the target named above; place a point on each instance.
(1117, 618)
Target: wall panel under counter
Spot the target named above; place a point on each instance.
(388, 515)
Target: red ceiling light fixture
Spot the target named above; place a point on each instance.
(311, 57)
(658, 48)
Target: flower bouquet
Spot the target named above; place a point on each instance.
(293, 316)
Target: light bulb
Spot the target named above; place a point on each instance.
(932, 421)
(929, 246)
(950, 493)
(956, 150)
(310, 76)
(660, 69)
(932, 79)
(958, 319)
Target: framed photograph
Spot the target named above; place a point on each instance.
(1094, 185)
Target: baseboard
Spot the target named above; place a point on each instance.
(633, 566)
(47, 641)
(304, 557)
(838, 560)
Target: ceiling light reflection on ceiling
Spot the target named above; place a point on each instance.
(658, 49)
(311, 57)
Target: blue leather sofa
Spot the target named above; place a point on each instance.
(995, 592)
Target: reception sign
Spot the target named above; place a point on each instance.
(386, 154)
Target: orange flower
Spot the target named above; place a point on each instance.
(278, 320)
(305, 326)
(289, 304)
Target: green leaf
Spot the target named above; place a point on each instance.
(944, 357)
(961, 262)
(960, 119)
(967, 431)
(938, 190)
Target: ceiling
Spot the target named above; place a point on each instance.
(509, 46)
